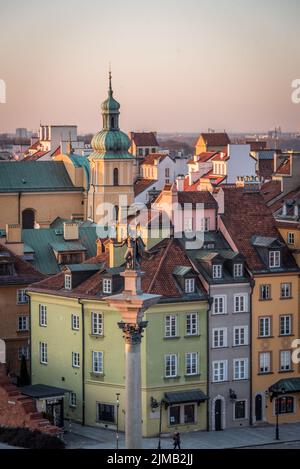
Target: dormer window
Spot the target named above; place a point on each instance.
(238, 270)
(274, 259)
(189, 285)
(217, 271)
(107, 285)
(68, 282)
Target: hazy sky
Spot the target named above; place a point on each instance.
(178, 65)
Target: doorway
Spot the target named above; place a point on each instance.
(258, 408)
(218, 415)
(28, 219)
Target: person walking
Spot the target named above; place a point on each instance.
(176, 440)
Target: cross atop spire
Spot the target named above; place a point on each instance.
(109, 79)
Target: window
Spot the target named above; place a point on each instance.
(217, 271)
(107, 285)
(285, 360)
(240, 335)
(219, 305)
(285, 290)
(182, 414)
(75, 322)
(73, 399)
(274, 259)
(264, 327)
(170, 365)
(171, 325)
(43, 353)
(192, 324)
(240, 303)
(97, 358)
(240, 367)
(205, 224)
(265, 292)
(189, 285)
(116, 177)
(238, 270)
(153, 150)
(106, 413)
(23, 351)
(291, 238)
(43, 315)
(219, 370)
(140, 152)
(23, 323)
(284, 405)
(68, 282)
(75, 360)
(239, 410)
(21, 297)
(97, 323)
(147, 150)
(265, 362)
(286, 324)
(191, 363)
(167, 175)
(219, 338)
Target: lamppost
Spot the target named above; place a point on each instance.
(118, 405)
(276, 393)
(155, 405)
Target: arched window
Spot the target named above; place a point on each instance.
(28, 219)
(116, 213)
(116, 177)
(112, 122)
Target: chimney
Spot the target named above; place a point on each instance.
(14, 239)
(71, 231)
(180, 183)
(284, 209)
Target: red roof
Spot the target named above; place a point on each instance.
(56, 152)
(153, 157)
(265, 168)
(246, 215)
(270, 190)
(144, 139)
(295, 194)
(285, 167)
(142, 184)
(197, 197)
(256, 145)
(24, 273)
(192, 187)
(36, 156)
(219, 139)
(218, 157)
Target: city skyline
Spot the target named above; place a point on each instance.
(177, 67)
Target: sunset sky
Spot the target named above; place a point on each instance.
(177, 65)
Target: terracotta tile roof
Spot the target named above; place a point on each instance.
(215, 180)
(257, 145)
(285, 167)
(144, 139)
(218, 157)
(192, 187)
(199, 197)
(142, 184)
(246, 215)
(153, 157)
(216, 139)
(291, 195)
(158, 265)
(56, 152)
(24, 273)
(34, 146)
(270, 190)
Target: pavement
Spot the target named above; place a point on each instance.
(243, 437)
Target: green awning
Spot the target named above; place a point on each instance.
(286, 386)
(181, 397)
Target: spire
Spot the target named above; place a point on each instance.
(110, 91)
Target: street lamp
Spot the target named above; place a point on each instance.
(154, 405)
(277, 394)
(118, 405)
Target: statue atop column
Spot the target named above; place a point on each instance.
(133, 253)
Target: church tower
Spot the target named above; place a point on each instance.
(111, 165)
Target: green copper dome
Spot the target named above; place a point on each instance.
(110, 142)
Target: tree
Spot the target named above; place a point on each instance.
(24, 376)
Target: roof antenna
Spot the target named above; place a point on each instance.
(109, 78)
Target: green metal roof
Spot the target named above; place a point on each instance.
(195, 395)
(181, 270)
(40, 242)
(288, 385)
(35, 176)
(68, 246)
(110, 144)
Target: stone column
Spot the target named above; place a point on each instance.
(133, 403)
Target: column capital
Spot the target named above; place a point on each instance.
(132, 332)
